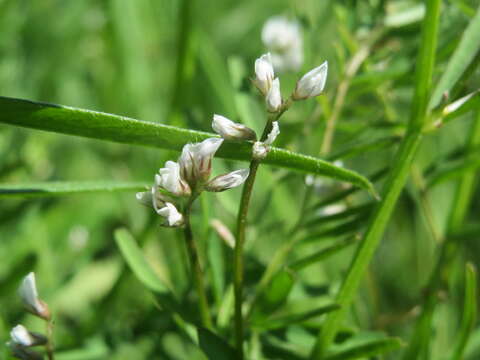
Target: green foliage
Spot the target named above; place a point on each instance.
(331, 272)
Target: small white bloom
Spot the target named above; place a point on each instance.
(196, 160)
(169, 179)
(170, 212)
(284, 39)
(312, 83)
(333, 209)
(145, 197)
(228, 181)
(21, 336)
(259, 150)
(230, 130)
(273, 134)
(274, 97)
(28, 293)
(264, 73)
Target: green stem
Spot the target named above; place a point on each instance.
(393, 186)
(49, 345)
(240, 238)
(197, 273)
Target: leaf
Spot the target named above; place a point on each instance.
(320, 255)
(464, 54)
(57, 188)
(346, 227)
(371, 348)
(137, 262)
(469, 312)
(96, 125)
(214, 347)
(287, 320)
(455, 171)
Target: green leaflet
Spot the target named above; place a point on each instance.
(58, 188)
(96, 125)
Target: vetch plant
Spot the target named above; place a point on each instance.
(22, 340)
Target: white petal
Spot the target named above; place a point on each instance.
(170, 212)
(274, 98)
(21, 336)
(273, 134)
(312, 83)
(264, 73)
(228, 181)
(228, 129)
(28, 292)
(259, 150)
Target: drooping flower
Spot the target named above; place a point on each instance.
(283, 38)
(21, 336)
(230, 130)
(312, 83)
(196, 161)
(274, 97)
(227, 181)
(169, 178)
(31, 301)
(264, 73)
(171, 214)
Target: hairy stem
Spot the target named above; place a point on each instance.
(197, 273)
(49, 345)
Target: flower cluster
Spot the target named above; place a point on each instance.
(190, 175)
(21, 338)
(283, 39)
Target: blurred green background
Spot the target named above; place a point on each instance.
(178, 62)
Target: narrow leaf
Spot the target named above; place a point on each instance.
(137, 262)
(279, 322)
(469, 312)
(57, 188)
(96, 125)
(464, 53)
(371, 348)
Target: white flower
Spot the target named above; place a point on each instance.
(228, 181)
(273, 134)
(196, 160)
(28, 293)
(170, 212)
(21, 336)
(169, 179)
(312, 83)
(230, 130)
(284, 39)
(274, 98)
(259, 150)
(264, 73)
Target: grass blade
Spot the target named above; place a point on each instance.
(96, 125)
(469, 312)
(371, 348)
(462, 57)
(58, 188)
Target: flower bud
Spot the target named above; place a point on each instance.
(171, 214)
(312, 83)
(264, 74)
(28, 293)
(169, 179)
(259, 150)
(21, 336)
(274, 98)
(196, 161)
(228, 181)
(273, 133)
(230, 130)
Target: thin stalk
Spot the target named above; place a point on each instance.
(197, 273)
(394, 184)
(49, 345)
(448, 252)
(240, 236)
